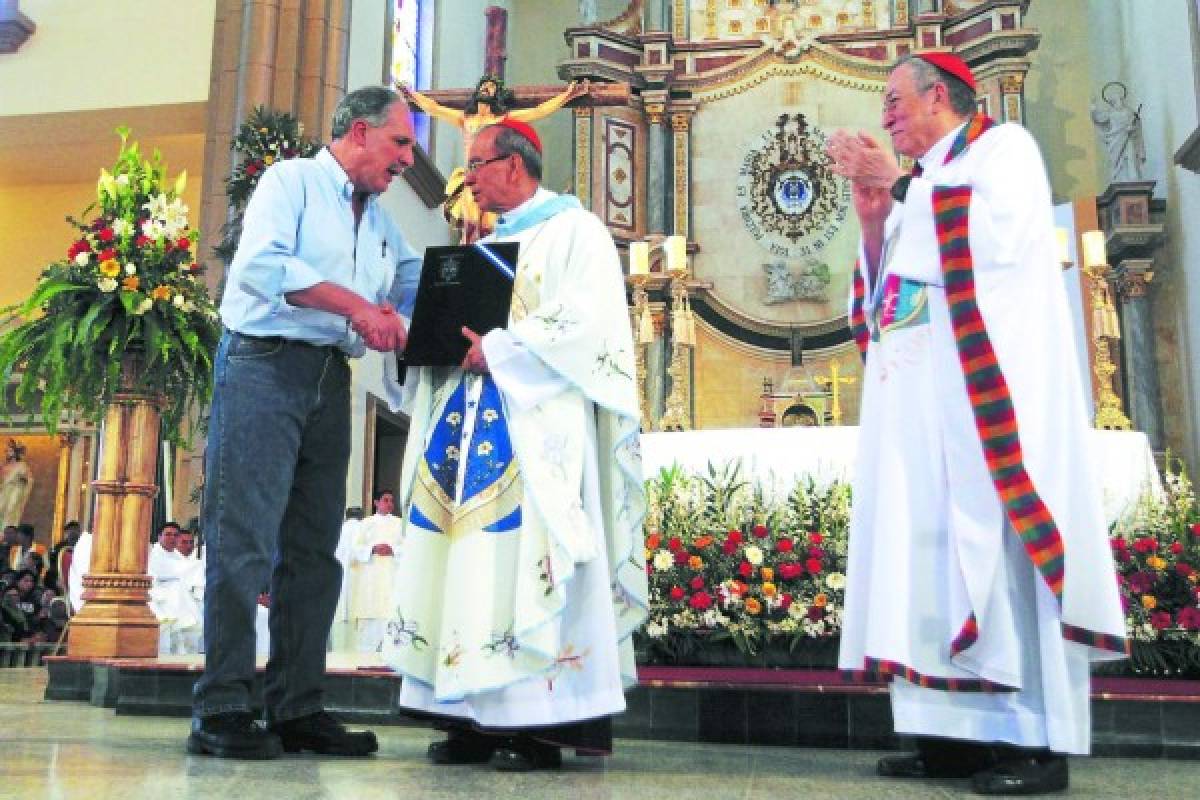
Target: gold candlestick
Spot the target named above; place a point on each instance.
(643, 337)
(1105, 330)
(677, 416)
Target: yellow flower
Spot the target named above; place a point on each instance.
(110, 268)
(768, 590)
(131, 283)
(1155, 562)
(820, 601)
(768, 574)
(753, 606)
(1149, 601)
(161, 293)
(695, 562)
(268, 160)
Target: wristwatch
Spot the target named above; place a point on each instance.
(900, 187)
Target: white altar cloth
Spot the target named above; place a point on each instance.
(776, 457)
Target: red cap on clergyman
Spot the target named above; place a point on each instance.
(525, 130)
(950, 63)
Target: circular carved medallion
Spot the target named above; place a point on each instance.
(791, 203)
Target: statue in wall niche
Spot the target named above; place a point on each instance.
(490, 103)
(16, 482)
(1121, 129)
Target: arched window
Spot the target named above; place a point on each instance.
(411, 49)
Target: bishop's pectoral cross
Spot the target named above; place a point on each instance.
(834, 382)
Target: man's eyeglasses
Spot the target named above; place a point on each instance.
(472, 166)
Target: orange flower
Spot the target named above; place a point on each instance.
(131, 283)
(1149, 601)
(820, 601)
(769, 590)
(768, 574)
(753, 606)
(110, 268)
(1154, 562)
(161, 293)
(695, 563)
(653, 540)
(738, 588)
(704, 541)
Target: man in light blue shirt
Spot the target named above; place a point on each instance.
(319, 275)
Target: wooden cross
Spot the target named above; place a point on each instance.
(834, 382)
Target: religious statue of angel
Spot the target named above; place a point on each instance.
(490, 103)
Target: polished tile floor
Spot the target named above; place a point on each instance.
(74, 750)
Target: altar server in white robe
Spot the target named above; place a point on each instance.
(171, 597)
(980, 580)
(342, 632)
(373, 558)
(522, 576)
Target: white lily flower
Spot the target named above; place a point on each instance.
(179, 301)
(663, 560)
(82, 259)
(107, 285)
(754, 555)
(144, 306)
(122, 226)
(130, 269)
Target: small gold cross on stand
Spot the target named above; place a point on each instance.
(834, 382)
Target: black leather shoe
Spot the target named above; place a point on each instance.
(916, 766)
(321, 733)
(522, 754)
(463, 746)
(1038, 775)
(234, 734)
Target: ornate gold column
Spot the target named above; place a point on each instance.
(681, 122)
(116, 620)
(65, 442)
(678, 413)
(1012, 104)
(583, 155)
(643, 337)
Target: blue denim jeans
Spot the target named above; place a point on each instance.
(274, 496)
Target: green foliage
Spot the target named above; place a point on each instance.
(128, 283)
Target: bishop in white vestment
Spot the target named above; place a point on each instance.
(522, 577)
(980, 581)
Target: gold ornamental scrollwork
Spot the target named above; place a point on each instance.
(816, 63)
(583, 156)
(654, 112)
(116, 581)
(681, 122)
(1011, 84)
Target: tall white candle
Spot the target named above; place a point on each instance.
(1064, 247)
(675, 248)
(1093, 249)
(639, 258)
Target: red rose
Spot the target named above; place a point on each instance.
(1189, 619)
(107, 253)
(1118, 543)
(790, 571)
(1145, 545)
(816, 552)
(142, 240)
(1176, 548)
(701, 601)
(745, 570)
(697, 583)
(761, 531)
(785, 601)
(729, 547)
(1124, 556)
(784, 546)
(1160, 620)
(674, 544)
(1196, 529)
(735, 536)
(1184, 569)
(82, 246)
(813, 565)
(184, 243)
(815, 613)
(106, 234)
(815, 537)
(681, 557)
(677, 593)
(251, 169)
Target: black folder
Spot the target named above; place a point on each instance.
(468, 286)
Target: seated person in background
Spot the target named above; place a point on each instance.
(23, 610)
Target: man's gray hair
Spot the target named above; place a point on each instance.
(371, 104)
(962, 97)
(508, 142)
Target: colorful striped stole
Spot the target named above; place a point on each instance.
(987, 389)
(858, 318)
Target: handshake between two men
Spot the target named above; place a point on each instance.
(380, 327)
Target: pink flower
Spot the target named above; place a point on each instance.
(729, 546)
(1176, 548)
(1189, 618)
(1160, 620)
(681, 557)
(1145, 545)
(735, 536)
(815, 537)
(1185, 570)
(816, 552)
(816, 613)
(785, 601)
(790, 571)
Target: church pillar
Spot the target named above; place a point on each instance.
(681, 159)
(583, 154)
(1137, 335)
(657, 15)
(656, 164)
(679, 18)
(1011, 100)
